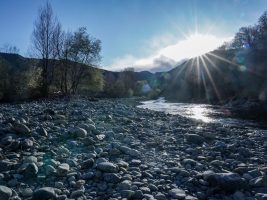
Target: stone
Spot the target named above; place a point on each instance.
(26, 192)
(112, 177)
(45, 193)
(30, 170)
(87, 163)
(30, 159)
(124, 185)
(26, 143)
(5, 192)
(77, 193)
(138, 194)
(239, 196)
(78, 132)
(259, 182)
(42, 131)
(194, 139)
(50, 170)
(107, 167)
(129, 194)
(177, 193)
(63, 169)
(160, 196)
(129, 151)
(21, 128)
(228, 182)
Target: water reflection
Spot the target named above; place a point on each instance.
(199, 113)
(196, 111)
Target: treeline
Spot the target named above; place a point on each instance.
(237, 70)
(65, 64)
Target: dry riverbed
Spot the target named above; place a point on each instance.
(109, 149)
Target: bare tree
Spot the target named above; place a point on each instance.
(79, 51)
(46, 43)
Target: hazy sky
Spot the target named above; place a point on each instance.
(139, 33)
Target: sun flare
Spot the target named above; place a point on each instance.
(198, 44)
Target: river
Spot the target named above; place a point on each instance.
(205, 113)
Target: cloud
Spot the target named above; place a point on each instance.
(168, 53)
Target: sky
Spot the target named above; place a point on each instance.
(150, 35)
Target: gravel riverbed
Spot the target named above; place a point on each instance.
(109, 149)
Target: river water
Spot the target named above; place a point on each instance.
(201, 112)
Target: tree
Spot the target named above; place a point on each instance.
(8, 48)
(46, 41)
(246, 37)
(79, 50)
(262, 26)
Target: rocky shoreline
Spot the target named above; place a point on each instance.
(109, 149)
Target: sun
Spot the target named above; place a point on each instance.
(198, 44)
(191, 46)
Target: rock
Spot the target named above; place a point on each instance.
(194, 139)
(239, 196)
(129, 194)
(228, 182)
(124, 185)
(45, 193)
(88, 141)
(49, 111)
(259, 182)
(129, 151)
(42, 131)
(26, 144)
(107, 167)
(21, 128)
(160, 196)
(112, 177)
(30, 159)
(87, 163)
(30, 170)
(177, 193)
(138, 194)
(77, 193)
(5, 192)
(27, 192)
(50, 170)
(78, 132)
(59, 184)
(261, 196)
(63, 169)
(189, 161)
(88, 127)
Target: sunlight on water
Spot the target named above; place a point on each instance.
(199, 112)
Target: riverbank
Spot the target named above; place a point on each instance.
(109, 149)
